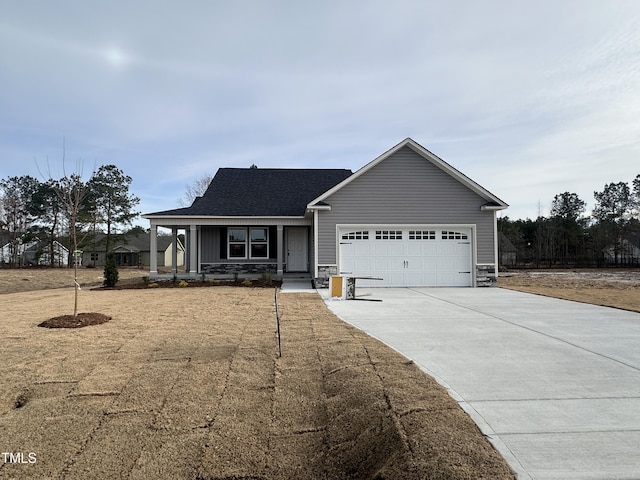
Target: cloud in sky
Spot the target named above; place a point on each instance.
(529, 98)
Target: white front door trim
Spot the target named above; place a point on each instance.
(297, 249)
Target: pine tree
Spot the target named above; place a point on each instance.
(110, 271)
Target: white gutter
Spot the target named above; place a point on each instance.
(492, 208)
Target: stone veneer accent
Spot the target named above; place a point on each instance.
(324, 273)
(486, 275)
(237, 268)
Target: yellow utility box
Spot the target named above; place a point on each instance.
(336, 285)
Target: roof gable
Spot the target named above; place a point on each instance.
(262, 192)
(492, 201)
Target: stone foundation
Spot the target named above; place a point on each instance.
(324, 273)
(239, 269)
(486, 275)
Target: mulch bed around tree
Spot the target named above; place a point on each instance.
(80, 320)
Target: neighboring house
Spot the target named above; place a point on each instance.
(627, 253)
(134, 251)
(39, 253)
(36, 252)
(6, 252)
(407, 216)
(508, 252)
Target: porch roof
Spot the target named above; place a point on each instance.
(260, 192)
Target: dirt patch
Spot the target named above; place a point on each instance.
(79, 321)
(609, 288)
(186, 383)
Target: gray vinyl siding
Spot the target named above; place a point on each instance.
(210, 244)
(405, 189)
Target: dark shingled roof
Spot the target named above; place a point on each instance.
(261, 192)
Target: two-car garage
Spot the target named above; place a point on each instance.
(408, 255)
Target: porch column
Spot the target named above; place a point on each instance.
(280, 249)
(174, 250)
(193, 250)
(153, 250)
(187, 261)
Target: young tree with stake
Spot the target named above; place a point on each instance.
(73, 192)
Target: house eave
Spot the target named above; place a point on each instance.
(186, 220)
(493, 208)
(216, 217)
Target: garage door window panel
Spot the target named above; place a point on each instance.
(388, 234)
(363, 235)
(422, 234)
(454, 235)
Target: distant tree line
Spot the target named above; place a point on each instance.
(68, 211)
(610, 236)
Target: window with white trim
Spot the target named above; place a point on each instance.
(422, 234)
(364, 235)
(259, 238)
(388, 234)
(237, 242)
(253, 245)
(453, 235)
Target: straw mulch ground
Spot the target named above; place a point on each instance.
(187, 384)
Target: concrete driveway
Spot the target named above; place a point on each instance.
(554, 384)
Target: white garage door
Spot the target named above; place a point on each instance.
(407, 256)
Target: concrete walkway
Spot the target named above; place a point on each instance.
(554, 384)
(297, 285)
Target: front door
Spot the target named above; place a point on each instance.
(297, 250)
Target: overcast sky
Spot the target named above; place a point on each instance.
(528, 98)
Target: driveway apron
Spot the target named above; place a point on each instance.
(554, 384)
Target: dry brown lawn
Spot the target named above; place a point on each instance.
(29, 279)
(187, 384)
(610, 288)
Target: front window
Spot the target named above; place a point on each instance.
(256, 243)
(259, 243)
(237, 243)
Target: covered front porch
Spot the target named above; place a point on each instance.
(227, 248)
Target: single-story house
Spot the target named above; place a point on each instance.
(627, 252)
(407, 217)
(134, 251)
(35, 252)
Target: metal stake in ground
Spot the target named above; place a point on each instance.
(275, 299)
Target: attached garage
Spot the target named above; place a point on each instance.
(402, 256)
(410, 218)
